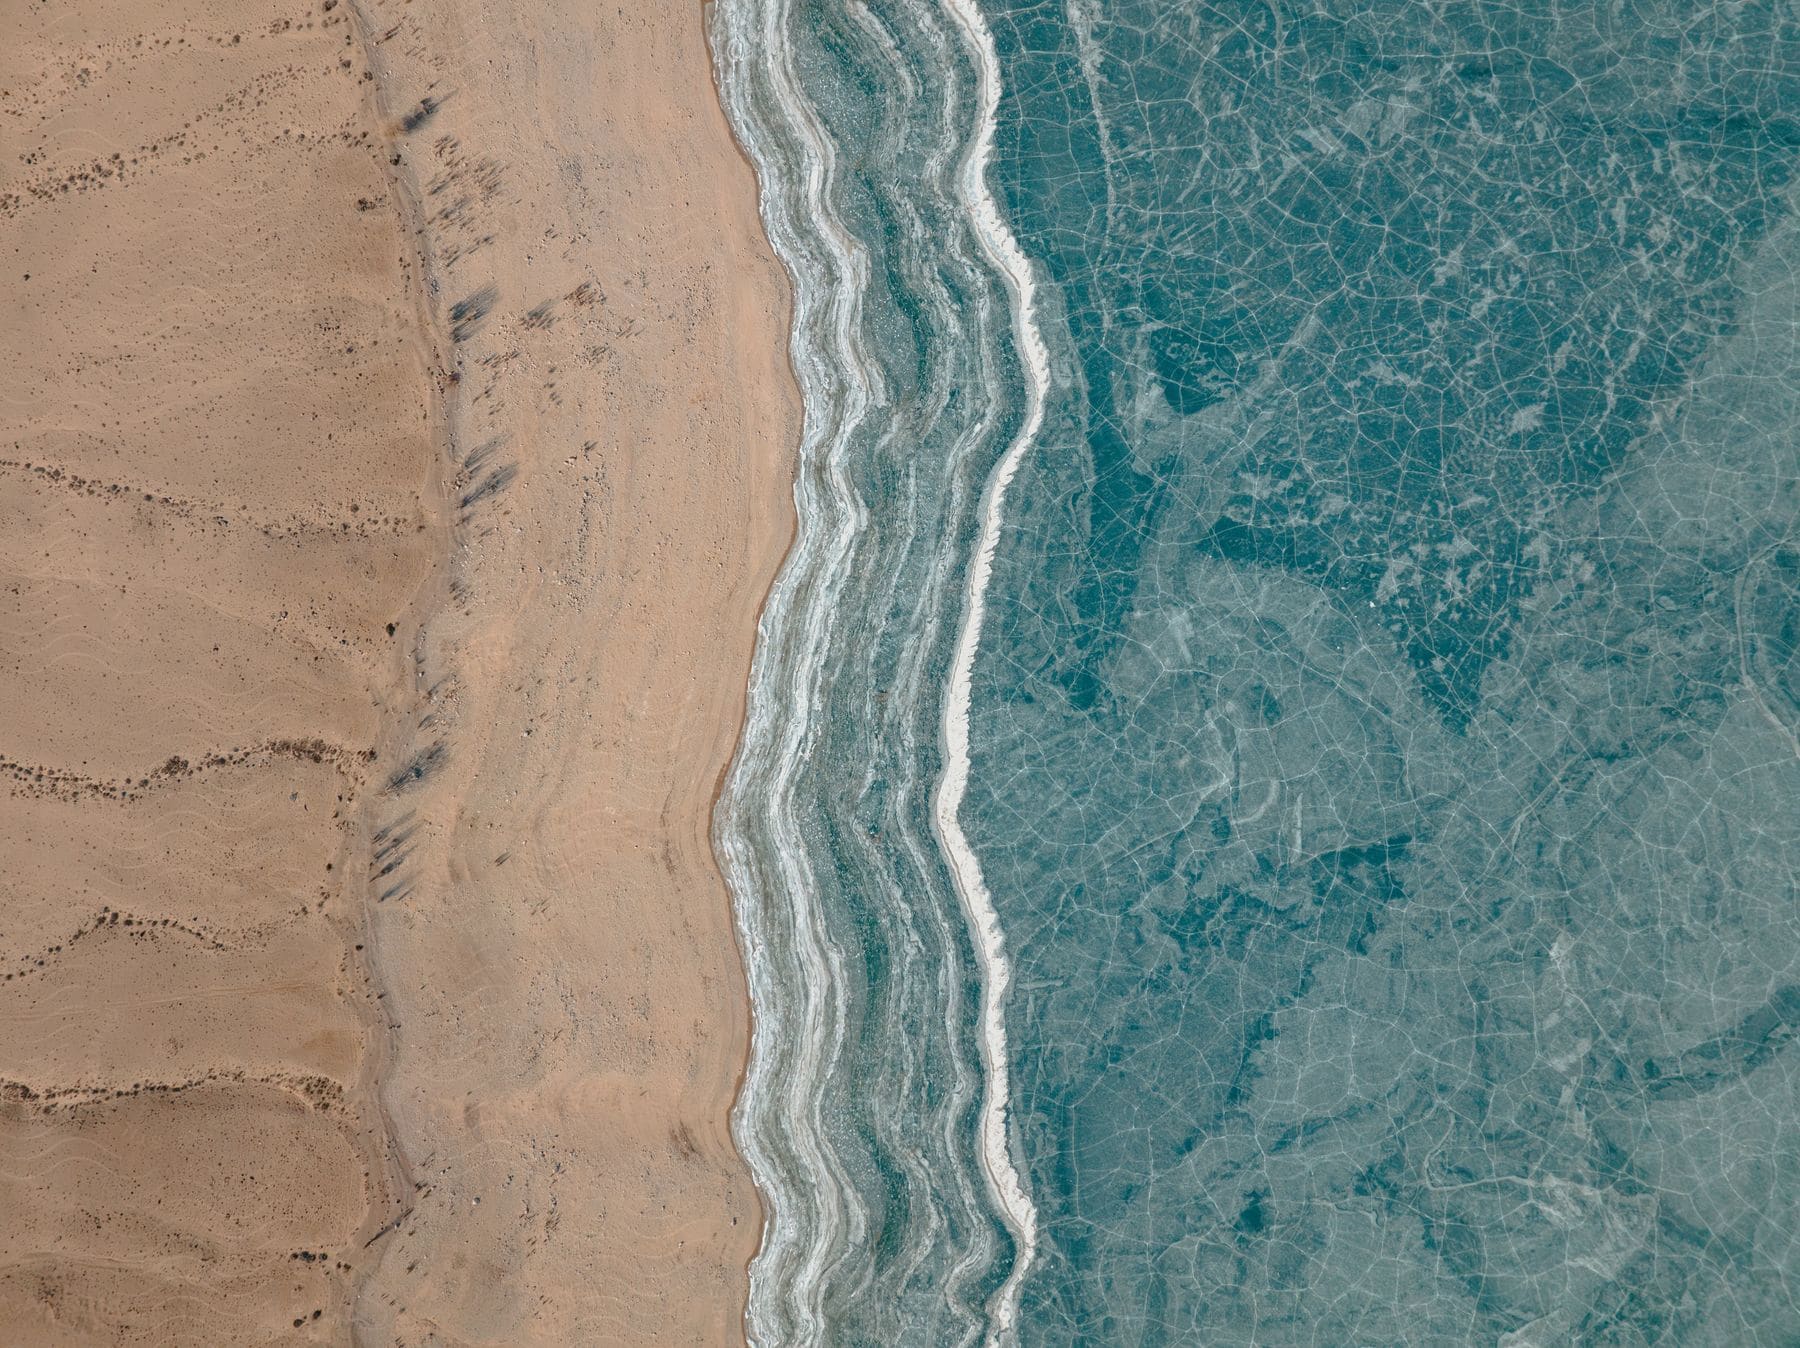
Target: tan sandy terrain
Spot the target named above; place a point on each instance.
(218, 484)
(394, 453)
(562, 966)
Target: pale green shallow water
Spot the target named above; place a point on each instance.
(1386, 731)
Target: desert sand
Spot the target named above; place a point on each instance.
(395, 450)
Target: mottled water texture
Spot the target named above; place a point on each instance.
(1386, 727)
(1386, 764)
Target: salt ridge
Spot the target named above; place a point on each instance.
(1017, 1209)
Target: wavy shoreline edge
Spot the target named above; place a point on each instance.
(1004, 253)
(827, 268)
(823, 427)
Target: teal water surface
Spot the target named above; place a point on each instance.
(1385, 739)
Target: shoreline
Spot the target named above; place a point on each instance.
(750, 887)
(709, 10)
(853, 729)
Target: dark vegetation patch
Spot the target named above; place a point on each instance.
(466, 314)
(419, 767)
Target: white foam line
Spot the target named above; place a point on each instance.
(997, 241)
(827, 359)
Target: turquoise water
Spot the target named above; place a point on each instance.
(1383, 765)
